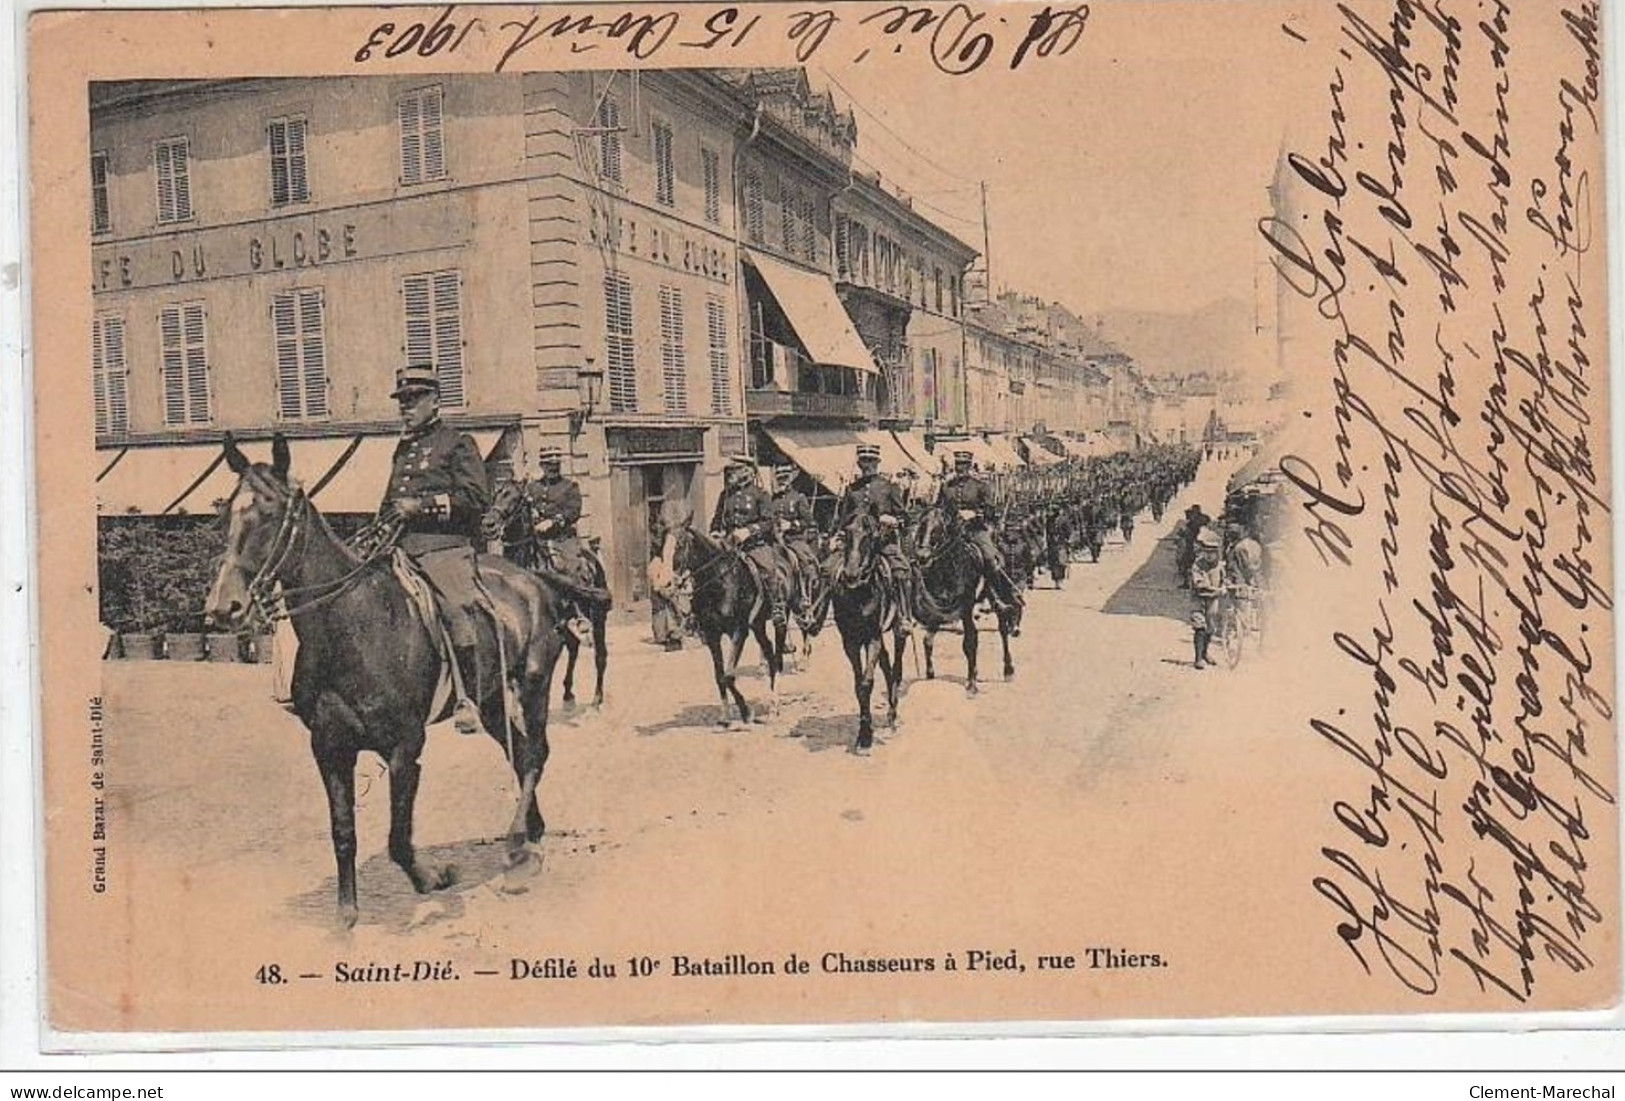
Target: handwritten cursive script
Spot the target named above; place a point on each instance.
(1439, 237)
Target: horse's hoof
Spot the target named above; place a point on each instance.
(971, 689)
(598, 703)
(435, 877)
(1009, 674)
(348, 916)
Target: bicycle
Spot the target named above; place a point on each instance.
(1241, 615)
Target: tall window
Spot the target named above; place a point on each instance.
(790, 204)
(809, 228)
(953, 294)
(289, 183)
(928, 383)
(623, 368)
(753, 205)
(673, 362)
(716, 334)
(434, 329)
(843, 249)
(101, 211)
(109, 376)
(936, 275)
(183, 332)
(423, 138)
(174, 183)
(297, 326)
(608, 124)
(711, 165)
(665, 174)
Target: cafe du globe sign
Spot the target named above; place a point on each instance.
(281, 244)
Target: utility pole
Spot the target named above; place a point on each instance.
(987, 249)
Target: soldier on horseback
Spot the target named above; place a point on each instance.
(969, 503)
(555, 507)
(438, 491)
(872, 491)
(744, 515)
(793, 521)
(553, 503)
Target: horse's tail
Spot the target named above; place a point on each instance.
(575, 590)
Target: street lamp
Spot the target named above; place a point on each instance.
(589, 387)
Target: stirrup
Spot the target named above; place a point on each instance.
(466, 717)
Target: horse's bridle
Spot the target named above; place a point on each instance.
(270, 600)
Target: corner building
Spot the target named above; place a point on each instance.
(560, 247)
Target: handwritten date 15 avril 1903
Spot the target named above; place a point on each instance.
(958, 38)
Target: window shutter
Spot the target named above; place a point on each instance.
(166, 183)
(313, 342)
(788, 203)
(419, 328)
(673, 365)
(169, 329)
(665, 173)
(197, 365)
(434, 148)
(623, 379)
(101, 215)
(98, 376)
(285, 331)
(277, 133)
(298, 184)
(809, 227)
(713, 185)
(609, 140)
(753, 205)
(716, 327)
(448, 337)
(411, 140)
(117, 374)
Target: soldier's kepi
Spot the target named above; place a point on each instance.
(438, 489)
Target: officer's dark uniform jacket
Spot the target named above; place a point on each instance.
(790, 506)
(968, 492)
(441, 467)
(745, 506)
(875, 492)
(558, 500)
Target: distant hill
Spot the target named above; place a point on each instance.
(1214, 339)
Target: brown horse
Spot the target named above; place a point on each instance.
(369, 665)
(728, 605)
(866, 612)
(511, 520)
(950, 584)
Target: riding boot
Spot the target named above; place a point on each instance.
(466, 716)
(776, 607)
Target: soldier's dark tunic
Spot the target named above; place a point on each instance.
(441, 467)
(880, 496)
(558, 500)
(748, 506)
(792, 514)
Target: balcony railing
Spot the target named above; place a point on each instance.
(777, 403)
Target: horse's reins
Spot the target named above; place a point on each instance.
(272, 606)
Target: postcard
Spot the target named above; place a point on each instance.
(592, 515)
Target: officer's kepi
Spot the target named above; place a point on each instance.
(412, 381)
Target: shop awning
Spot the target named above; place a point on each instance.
(815, 312)
(1038, 454)
(913, 444)
(190, 479)
(828, 455)
(357, 484)
(1008, 458)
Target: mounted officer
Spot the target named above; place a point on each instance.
(744, 516)
(793, 521)
(438, 489)
(969, 501)
(555, 506)
(884, 499)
